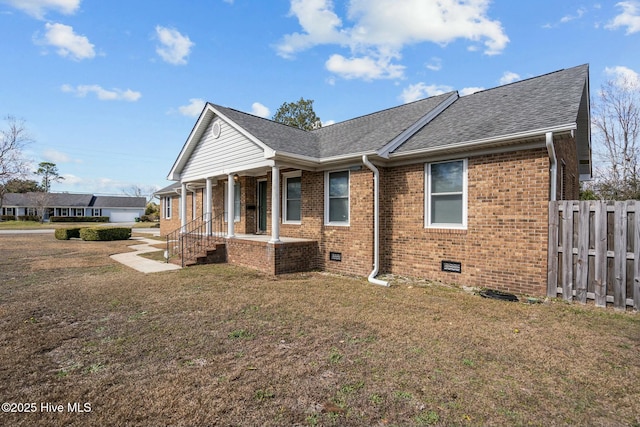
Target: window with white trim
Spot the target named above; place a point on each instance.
(167, 207)
(292, 197)
(336, 198)
(446, 194)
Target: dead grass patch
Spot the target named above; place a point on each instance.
(220, 345)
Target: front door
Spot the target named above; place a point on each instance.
(262, 206)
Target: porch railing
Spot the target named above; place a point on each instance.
(193, 238)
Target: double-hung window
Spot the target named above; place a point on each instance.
(292, 197)
(167, 207)
(446, 194)
(337, 198)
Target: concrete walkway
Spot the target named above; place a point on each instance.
(144, 265)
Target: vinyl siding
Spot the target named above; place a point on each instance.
(230, 151)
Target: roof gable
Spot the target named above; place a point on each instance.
(539, 104)
(373, 132)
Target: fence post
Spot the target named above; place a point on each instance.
(620, 256)
(600, 274)
(552, 262)
(636, 256)
(567, 251)
(582, 264)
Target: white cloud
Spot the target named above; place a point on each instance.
(55, 156)
(328, 123)
(38, 8)
(422, 90)
(568, 18)
(69, 43)
(193, 109)
(435, 64)
(629, 18)
(509, 77)
(365, 68)
(624, 77)
(174, 48)
(379, 31)
(470, 90)
(103, 94)
(257, 109)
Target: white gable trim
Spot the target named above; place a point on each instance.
(411, 130)
(208, 113)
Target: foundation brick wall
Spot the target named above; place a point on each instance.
(273, 258)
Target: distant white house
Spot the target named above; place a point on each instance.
(115, 208)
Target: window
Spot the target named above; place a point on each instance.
(97, 212)
(77, 212)
(446, 195)
(292, 197)
(337, 198)
(236, 202)
(167, 206)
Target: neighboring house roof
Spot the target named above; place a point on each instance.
(119, 202)
(69, 200)
(557, 102)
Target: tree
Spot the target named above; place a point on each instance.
(13, 164)
(22, 186)
(138, 191)
(298, 114)
(49, 173)
(616, 125)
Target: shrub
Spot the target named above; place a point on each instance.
(79, 219)
(105, 233)
(35, 218)
(149, 218)
(67, 233)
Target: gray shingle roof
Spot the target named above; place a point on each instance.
(119, 202)
(68, 200)
(538, 103)
(277, 136)
(373, 131)
(53, 199)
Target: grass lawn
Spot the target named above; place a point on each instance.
(221, 345)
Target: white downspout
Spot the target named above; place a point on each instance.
(376, 223)
(554, 166)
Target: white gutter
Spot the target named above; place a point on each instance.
(554, 166)
(376, 223)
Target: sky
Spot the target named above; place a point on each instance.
(110, 90)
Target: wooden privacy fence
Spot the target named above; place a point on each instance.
(594, 249)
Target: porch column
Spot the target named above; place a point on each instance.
(208, 206)
(230, 204)
(275, 204)
(183, 204)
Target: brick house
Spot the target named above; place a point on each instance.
(446, 188)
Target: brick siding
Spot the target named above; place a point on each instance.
(504, 245)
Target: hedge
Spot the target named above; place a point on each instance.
(105, 233)
(79, 219)
(67, 233)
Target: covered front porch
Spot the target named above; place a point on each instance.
(247, 224)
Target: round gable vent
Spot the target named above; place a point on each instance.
(215, 131)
